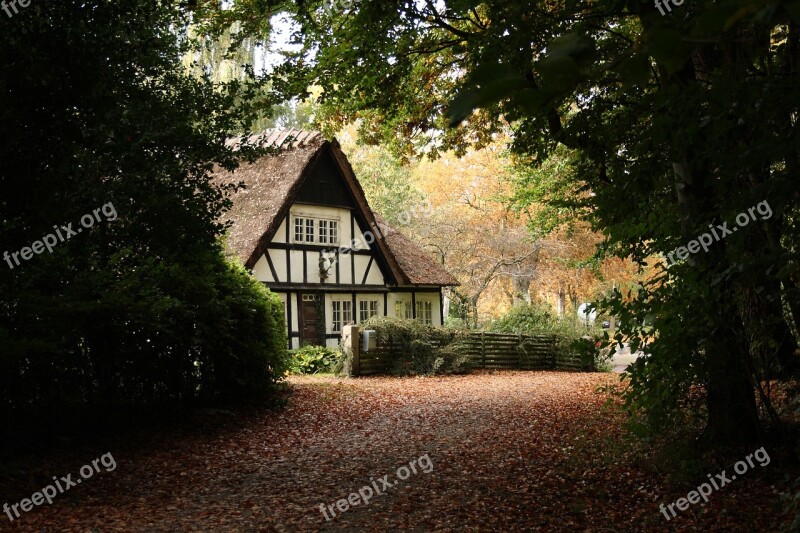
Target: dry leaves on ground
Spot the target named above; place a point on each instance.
(511, 451)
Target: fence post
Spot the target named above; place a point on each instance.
(483, 349)
(522, 353)
(553, 349)
(351, 346)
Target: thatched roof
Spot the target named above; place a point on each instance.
(415, 262)
(271, 185)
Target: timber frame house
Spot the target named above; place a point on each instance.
(303, 226)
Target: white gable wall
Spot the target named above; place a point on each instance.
(262, 272)
(280, 235)
(294, 272)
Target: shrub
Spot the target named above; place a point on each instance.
(455, 322)
(424, 350)
(157, 337)
(530, 318)
(244, 331)
(314, 359)
(575, 342)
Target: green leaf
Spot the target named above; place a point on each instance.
(793, 9)
(669, 48)
(635, 70)
(488, 85)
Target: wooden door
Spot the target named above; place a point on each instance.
(309, 319)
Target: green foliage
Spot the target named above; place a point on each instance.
(572, 338)
(659, 126)
(142, 311)
(387, 183)
(529, 318)
(241, 333)
(455, 322)
(314, 359)
(587, 347)
(424, 350)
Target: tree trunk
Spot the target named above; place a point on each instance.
(573, 298)
(562, 301)
(771, 342)
(732, 412)
(446, 303)
(521, 286)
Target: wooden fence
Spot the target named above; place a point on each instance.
(485, 350)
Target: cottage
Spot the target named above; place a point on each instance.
(304, 228)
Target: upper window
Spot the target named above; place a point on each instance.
(328, 232)
(316, 231)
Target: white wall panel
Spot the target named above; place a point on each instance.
(280, 235)
(261, 271)
(279, 262)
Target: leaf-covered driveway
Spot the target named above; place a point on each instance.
(510, 451)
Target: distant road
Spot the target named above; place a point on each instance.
(623, 357)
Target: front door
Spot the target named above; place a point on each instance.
(309, 319)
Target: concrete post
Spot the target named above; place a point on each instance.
(351, 347)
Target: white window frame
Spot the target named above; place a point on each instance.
(315, 227)
(333, 232)
(341, 313)
(368, 309)
(425, 312)
(406, 309)
(299, 232)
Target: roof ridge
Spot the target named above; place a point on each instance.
(279, 138)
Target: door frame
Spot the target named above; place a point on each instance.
(319, 312)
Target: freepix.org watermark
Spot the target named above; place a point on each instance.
(63, 484)
(63, 233)
(366, 493)
(666, 4)
(329, 257)
(717, 482)
(6, 4)
(333, 7)
(720, 232)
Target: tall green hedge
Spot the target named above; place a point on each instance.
(141, 312)
(153, 335)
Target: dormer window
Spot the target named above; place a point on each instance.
(308, 230)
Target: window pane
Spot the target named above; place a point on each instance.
(347, 312)
(367, 310)
(333, 236)
(323, 232)
(425, 313)
(337, 316)
(298, 229)
(309, 230)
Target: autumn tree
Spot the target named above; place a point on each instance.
(679, 121)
